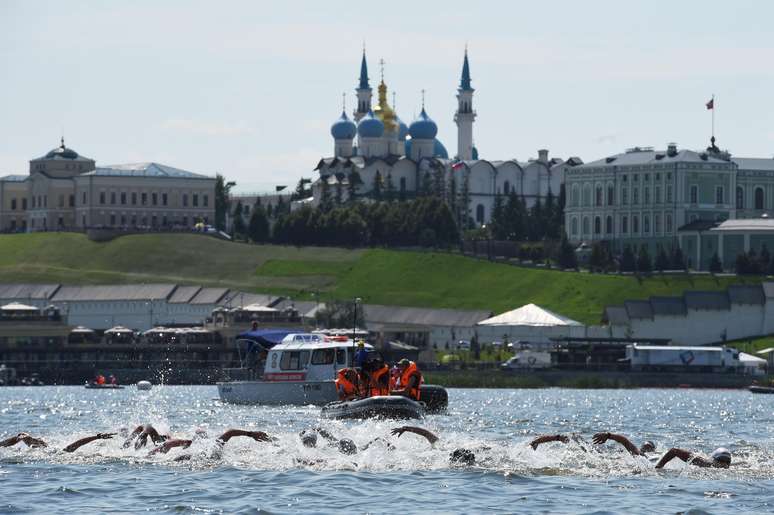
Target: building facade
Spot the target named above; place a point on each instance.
(67, 191)
(643, 196)
(385, 154)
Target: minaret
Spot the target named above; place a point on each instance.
(363, 91)
(465, 115)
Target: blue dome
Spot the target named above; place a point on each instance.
(407, 147)
(343, 128)
(439, 150)
(475, 153)
(370, 126)
(403, 129)
(423, 127)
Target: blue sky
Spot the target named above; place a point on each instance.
(249, 89)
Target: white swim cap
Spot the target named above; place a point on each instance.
(721, 454)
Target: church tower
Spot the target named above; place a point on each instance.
(465, 115)
(363, 91)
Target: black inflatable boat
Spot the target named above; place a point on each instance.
(382, 406)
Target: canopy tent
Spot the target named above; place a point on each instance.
(530, 315)
(15, 306)
(119, 330)
(82, 330)
(750, 360)
(258, 308)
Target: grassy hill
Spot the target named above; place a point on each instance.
(376, 275)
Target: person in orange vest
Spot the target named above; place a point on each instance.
(394, 378)
(380, 379)
(410, 380)
(345, 384)
(100, 379)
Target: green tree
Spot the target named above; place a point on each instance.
(662, 260)
(377, 189)
(644, 264)
(353, 182)
(258, 227)
(742, 264)
(677, 259)
(222, 190)
(238, 224)
(628, 261)
(715, 266)
(389, 190)
(566, 258)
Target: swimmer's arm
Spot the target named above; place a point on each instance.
(378, 439)
(398, 431)
(132, 436)
(258, 436)
(171, 444)
(9, 442)
(155, 436)
(601, 438)
(548, 438)
(83, 441)
(325, 434)
(686, 456)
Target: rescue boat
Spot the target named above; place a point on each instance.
(380, 406)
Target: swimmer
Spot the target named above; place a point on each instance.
(460, 456)
(37, 442)
(720, 458)
(170, 443)
(142, 433)
(345, 445)
(546, 439)
(647, 446)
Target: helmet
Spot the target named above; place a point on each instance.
(721, 454)
(360, 344)
(403, 363)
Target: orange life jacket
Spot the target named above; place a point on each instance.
(379, 383)
(411, 371)
(344, 386)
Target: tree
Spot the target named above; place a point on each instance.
(742, 264)
(354, 181)
(662, 260)
(326, 202)
(567, 258)
(753, 267)
(464, 222)
(258, 227)
(764, 261)
(715, 266)
(238, 225)
(427, 184)
(389, 191)
(628, 261)
(643, 260)
(301, 192)
(597, 261)
(677, 259)
(377, 190)
(222, 190)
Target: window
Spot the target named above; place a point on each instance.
(61, 200)
(123, 219)
(669, 176)
(636, 177)
(657, 194)
(624, 196)
(195, 200)
(610, 195)
(635, 224)
(718, 194)
(341, 356)
(669, 193)
(623, 178)
(72, 200)
(13, 204)
(24, 204)
(739, 197)
(658, 176)
(102, 197)
(83, 200)
(112, 219)
(402, 184)
(507, 187)
(587, 195)
(154, 198)
(656, 224)
(598, 196)
(113, 197)
(597, 225)
(245, 209)
(323, 356)
(185, 199)
(694, 194)
(574, 227)
(144, 198)
(134, 198)
(575, 195)
(609, 225)
(163, 199)
(206, 200)
(83, 221)
(646, 194)
(586, 225)
(164, 220)
(759, 198)
(294, 360)
(33, 202)
(154, 221)
(647, 176)
(646, 224)
(635, 195)
(480, 213)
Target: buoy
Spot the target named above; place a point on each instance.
(144, 385)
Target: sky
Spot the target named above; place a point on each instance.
(250, 89)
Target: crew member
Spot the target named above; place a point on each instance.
(410, 380)
(380, 379)
(361, 356)
(345, 384)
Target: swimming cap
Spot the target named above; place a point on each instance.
(347, 446)
(308, 438)
(721, 454)
(648, 446)
(463, 456)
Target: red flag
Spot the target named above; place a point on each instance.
(711, 104)
(458, 165)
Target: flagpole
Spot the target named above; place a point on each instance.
(713, 115)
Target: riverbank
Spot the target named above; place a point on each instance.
(584, 379)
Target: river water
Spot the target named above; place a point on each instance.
(286, 477)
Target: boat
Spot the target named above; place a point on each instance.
(301, 369)
(381, 406)
(95, 386)
(761, 389)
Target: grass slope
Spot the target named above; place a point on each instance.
(376, 275)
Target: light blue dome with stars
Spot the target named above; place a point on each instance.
(423, 127)
(370, 126)
(343, 128)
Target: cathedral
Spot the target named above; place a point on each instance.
(378, 152)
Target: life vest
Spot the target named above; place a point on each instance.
(411, 371)
(394, 379)
(379, 382)
(344, 386)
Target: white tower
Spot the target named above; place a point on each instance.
(465, 115)
(363, 91)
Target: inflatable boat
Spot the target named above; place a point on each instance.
(95, 386)
(761, 389)
(382, 406)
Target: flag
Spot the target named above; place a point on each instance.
(711, 103)
(458, 165)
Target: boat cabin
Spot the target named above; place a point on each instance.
(309, 357)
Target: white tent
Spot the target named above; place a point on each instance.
(530, 315)
(15, 306)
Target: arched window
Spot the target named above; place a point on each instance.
(656, 224)
(587, 195)
(403, 184)
(646, 224)
(598, 196)
(739, 197)
(609, 225)
(574, 226)
(635, 224)
(480, 213)
(635, 195)
(507, 187)
(586, 225)
(610, 195)
(759, 198)
(597, 223)
(668, 223)
(575, 195)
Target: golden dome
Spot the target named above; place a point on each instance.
(384, 112)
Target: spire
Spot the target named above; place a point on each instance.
(364, 72)
(465, 79)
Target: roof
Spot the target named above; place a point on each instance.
(63, 153)
(668, 306)
(680, 348)
(183, 294)
(400, 315)
(749, 358)
(209, 296)
(746, 294)
(14, 178)
(616, 315)
(114, 292)
(746, 224)
(27, 291)
(754, 163)
(699, 225)
(145, 170)
(707, 300)
(530, 315)
(649, 156)
(768, 289)
(638, 309)
(15, 306)
(236, 298)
